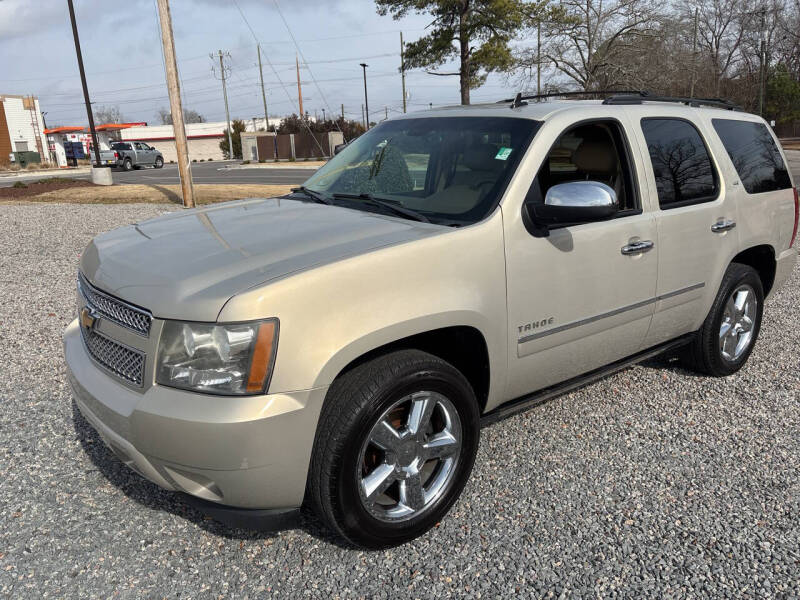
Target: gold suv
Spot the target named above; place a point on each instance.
(340, 346)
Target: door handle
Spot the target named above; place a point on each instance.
(723, 225)
(639, 247)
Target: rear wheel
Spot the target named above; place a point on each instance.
(127, 165)
(730, 330)
(396, 443)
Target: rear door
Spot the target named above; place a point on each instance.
(696, 219)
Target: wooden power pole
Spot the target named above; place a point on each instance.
(263, 93)
(299, 89)
(173, 86)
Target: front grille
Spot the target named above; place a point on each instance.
(122, 361)
(116, 311)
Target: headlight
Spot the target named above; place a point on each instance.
(218, 359)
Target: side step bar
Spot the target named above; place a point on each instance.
(519, 405)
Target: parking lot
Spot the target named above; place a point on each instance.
(652, 482)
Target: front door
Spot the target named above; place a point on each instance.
(584, 296)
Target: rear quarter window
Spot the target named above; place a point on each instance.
(754, 154)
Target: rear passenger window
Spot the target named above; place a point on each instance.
(754, 154)
(681, 163)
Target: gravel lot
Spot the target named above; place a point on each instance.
(653, 482)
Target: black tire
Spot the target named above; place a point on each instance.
(704, 353)
(159, 162)
(354, 404)
(127, 165)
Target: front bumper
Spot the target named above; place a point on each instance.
(247, 452)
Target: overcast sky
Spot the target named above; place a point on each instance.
(123, 58)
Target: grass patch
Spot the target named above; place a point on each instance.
(156, 194)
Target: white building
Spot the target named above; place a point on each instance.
(203, 138)
(21, 127)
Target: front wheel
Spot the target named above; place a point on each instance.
(730, 330)
(395, 445)
(159, 163)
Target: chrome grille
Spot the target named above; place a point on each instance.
(122, 361)
(116, 311)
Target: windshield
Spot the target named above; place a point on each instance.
(452, 170)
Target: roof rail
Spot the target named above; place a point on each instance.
(640, 97)
(522, 96)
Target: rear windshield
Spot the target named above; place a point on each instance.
(755, 155)
(120, 146)
(453, 170)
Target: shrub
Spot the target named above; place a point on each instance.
(245, 162)
(19, 184)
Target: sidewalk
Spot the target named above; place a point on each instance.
(38, 174)
(311, 164)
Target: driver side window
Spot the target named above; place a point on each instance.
(594, 151)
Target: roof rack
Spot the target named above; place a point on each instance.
(624, 97)
(522, 96)
(640, 97)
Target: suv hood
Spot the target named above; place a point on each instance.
(187, 265)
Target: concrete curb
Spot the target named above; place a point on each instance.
(271, 166)
(45, 173)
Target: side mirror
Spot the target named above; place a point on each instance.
(338, 148)
(572, 203)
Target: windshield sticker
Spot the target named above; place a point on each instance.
(503, 153)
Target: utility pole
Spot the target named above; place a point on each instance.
(263, 93)
(173, 86)
(763, 65)
(385, 112)
(366, 101)
(538, 57)
(83, 83)
(299, 89)
(324, 118)
(342, 113)
(225, 96)
(694, 55)
(403, 68)
(363, 121)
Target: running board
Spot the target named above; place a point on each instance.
(519, 405)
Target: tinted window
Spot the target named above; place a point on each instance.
(754, 154)
(681, 164)
(121, 146)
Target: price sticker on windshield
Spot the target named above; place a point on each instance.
(503, 153)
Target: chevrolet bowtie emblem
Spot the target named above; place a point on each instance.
(88, 317)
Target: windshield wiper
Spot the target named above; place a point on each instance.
(396, 208)
(315, 196)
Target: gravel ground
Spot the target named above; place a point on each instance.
(652, 482)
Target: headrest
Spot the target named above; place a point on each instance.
(595, 156)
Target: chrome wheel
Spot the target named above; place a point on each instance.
(738, 322)
(409, 456)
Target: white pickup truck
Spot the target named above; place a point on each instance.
(340, 346)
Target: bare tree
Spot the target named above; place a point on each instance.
(107, 114)
(585, 46)
(189, 116)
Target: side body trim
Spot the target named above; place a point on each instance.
(612, 313)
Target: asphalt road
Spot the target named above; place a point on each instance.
(206, 172)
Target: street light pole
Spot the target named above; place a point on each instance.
(83, 83)
(366, 102)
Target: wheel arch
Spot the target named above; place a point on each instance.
(762, 259)
(463, 346)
